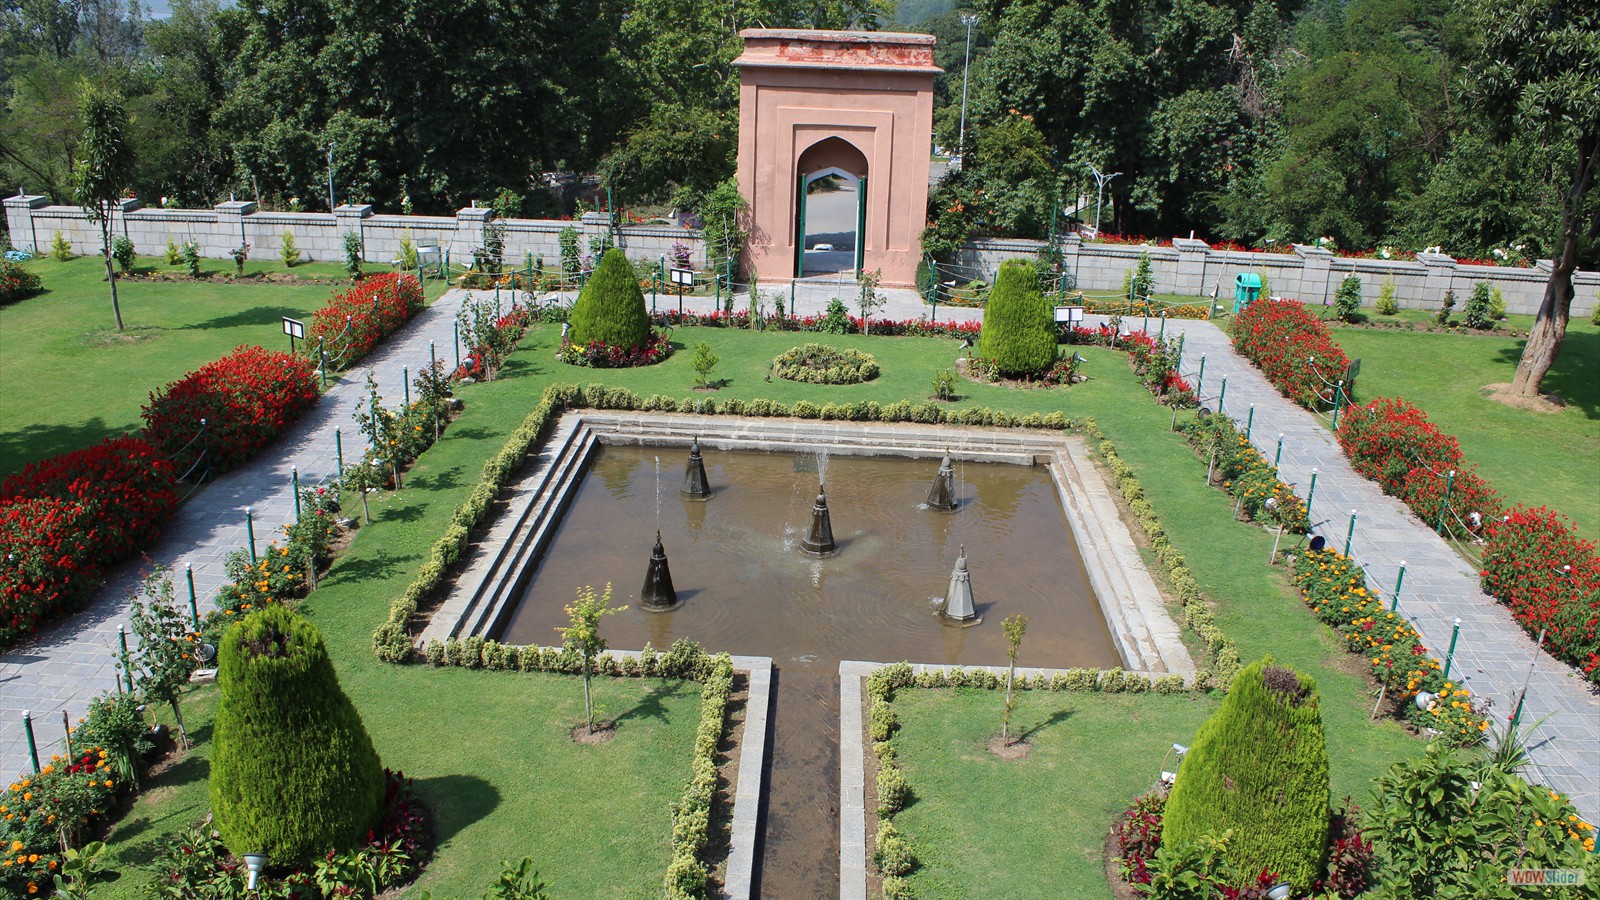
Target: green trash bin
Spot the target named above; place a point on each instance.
(1246, 288)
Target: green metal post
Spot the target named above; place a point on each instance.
(1222, 396)
(1338, 397)
(33, 748)
(1163, 335)
(1451, 655)
(1312, 493)
(1181, 339)
(1250, 422)
(1350, 536)
(1200, 382)
(194, 602)
(294, 481)
(405, 383)
(338, 450)
(1278, 457)
(1398, 581)
(322, 362)
(1444, 506)
(458, 343)
(127, 670)
(250, 532)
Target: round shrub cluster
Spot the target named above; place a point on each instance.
(821, 364)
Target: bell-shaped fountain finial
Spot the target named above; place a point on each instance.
(695, 486)
(658, 594)
(819, 542)
(958, 603)
(943, 494)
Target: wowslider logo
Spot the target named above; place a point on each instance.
(1547, 877)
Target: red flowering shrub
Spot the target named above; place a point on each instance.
(1139, 836)
(1282, 339)
(1550, 578)
(606, 356)
(355, 321)
(123, 481)
(49, 566)
(880, 327)
(17, 283)
(1394, 444)
(245, 399)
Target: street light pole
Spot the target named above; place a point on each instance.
(330, 177)
(969, 20)
(1100, 193)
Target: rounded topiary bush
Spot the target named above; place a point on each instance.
(293, 772)
(610, 310)
(1019, 334)
(1259, 766)
(821, 364)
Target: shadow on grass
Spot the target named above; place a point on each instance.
(457, 801)
(1055, 718)
(404, 513)
(380, 566)
(260, 315)
(434, 481)
(470, 433)
(1575, 377)
(650, 705)
(20, 446)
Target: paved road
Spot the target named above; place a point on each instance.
(65, 666)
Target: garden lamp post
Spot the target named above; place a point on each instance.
(969, 20)
(330, 177)
(1100, 193)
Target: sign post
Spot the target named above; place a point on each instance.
(681, 278)
(294, 328)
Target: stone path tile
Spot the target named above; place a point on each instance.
(68, 663)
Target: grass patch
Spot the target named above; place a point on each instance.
(64, 345)
(986, 827)
(1528, 456)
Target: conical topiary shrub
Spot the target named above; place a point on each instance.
(293, 772)
(610, 309)
(1259, 766)
(1018, 335)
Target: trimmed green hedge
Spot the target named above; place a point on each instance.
(1259, 768)
(293, 771)
(610, 309)
(1019, 332)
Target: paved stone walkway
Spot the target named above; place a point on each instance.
(65, 666)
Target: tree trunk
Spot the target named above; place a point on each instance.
(177, 714)
(111, 276)
(588, 704)
(1550, 326)
(1005, 726)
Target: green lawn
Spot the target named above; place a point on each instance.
(489, 749)
(1532, 457)
(986, 827)
(70, 379)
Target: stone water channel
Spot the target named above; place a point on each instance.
(747, 588)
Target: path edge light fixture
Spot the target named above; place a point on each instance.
(255, 862)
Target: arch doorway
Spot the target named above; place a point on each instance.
(830, 209)
(817, 111)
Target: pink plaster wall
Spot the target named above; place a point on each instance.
(871, 90)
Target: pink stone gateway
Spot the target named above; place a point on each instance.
(854, 104)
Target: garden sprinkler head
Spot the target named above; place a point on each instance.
(1167, 778)
(1425, 700)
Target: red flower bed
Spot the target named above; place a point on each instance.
(17, 283)
(880, 327)
(1536, 564)
(124, 481)
(245, 399)
(49, 565)
(1394, 444)
(373, 310)
(1282, 338)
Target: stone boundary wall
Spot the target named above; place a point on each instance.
(1309, 274)
(1189, 267)
(320, 236)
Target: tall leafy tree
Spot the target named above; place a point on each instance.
(1538, 74)
(104, 168)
